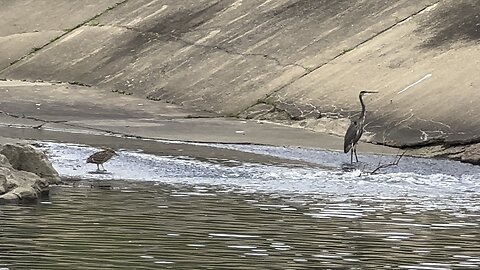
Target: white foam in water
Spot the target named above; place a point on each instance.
(255, 254)
(243, 247)
(146, 257)
(427, 180)
(195, 245)
(163, 262)
(232, 235)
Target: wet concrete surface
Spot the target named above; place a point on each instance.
(89, 110)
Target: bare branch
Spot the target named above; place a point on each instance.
(383, 166)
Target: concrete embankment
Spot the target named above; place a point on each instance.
(296, 62)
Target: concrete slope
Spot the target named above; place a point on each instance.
(303, 61)
(28, 25)
(425, 69)
(217, 55)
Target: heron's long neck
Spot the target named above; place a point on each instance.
(362, 114)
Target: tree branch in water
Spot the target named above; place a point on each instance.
(380, 166)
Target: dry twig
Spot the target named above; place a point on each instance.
(380, 166)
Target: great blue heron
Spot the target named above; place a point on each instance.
(101, 157)
(355, 130)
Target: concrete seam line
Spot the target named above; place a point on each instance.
(68, 31)
(308, 71)
(216, 47)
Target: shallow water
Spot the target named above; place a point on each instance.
(153, 212)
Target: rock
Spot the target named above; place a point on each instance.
(4, 161)
(25, 173)
(257, 111)
(20, 185)
(24, 157)
(471, 154)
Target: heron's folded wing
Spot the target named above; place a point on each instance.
(350, 137)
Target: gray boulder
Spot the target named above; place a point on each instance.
(25, 173)
(24, 157)
(472, 154)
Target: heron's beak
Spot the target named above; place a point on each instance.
(370, 92)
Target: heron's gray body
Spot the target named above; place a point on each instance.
(355, 130)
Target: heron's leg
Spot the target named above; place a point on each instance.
(355, 150)
(103, 168)
(351, 156)
(98, 168)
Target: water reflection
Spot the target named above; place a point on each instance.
(159, 226)
(210, 215)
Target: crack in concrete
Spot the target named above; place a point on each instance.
(302, 113)
(308, 71)
(214, 47)
(66, 122)
(66, 32)
(314, 109)
(32, 118)
(29, 33)
(426, 136)
(434, 122)
(275, 108)
(106, 131)
(229, 51)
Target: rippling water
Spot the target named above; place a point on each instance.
(226, 215)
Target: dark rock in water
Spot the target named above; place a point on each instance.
(21, 186)
(25, 173)
(472, 154)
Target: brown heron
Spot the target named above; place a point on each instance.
(101, 157)
(355, 130)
